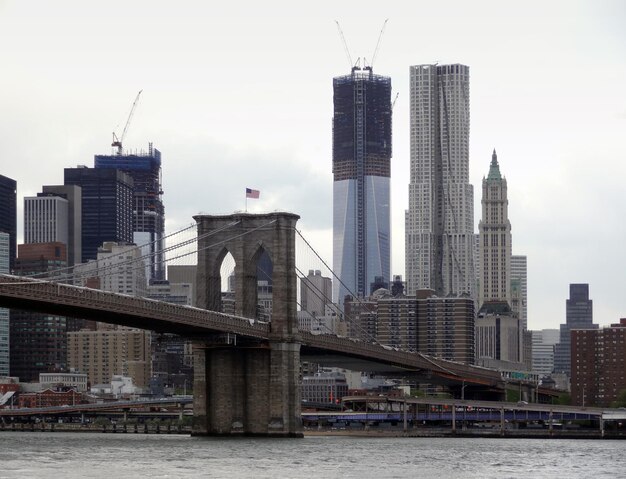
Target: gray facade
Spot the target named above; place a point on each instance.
(578, 315)
(543, 343)
(495, 238)
(73, 195)
(315, 293)
(4, 313)
(439, 230)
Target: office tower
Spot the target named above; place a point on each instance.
(8, 214)
(107, 206)
(5, 241)
(439, 327)
(499, 329)
(104, 353)
(73, 195)
(543, 342)
(42, 260)
(38, 340)
(519, 280)
(118, 268)
(495, 238)
(329, 322)
(439, 226)
(184, 274)
(315, 293)
(498, 336)
(170, 363)
(361, 318)
(445, 326)
(361, 169)
(578, 315)
(45, 219)
(148, 210)
(598, 365)
(396, 321)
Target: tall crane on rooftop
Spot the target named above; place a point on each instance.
(345, 44)
(380, 36)
(117, 142)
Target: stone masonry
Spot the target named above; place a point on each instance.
(248, 387)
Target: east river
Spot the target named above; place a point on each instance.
(79, 455)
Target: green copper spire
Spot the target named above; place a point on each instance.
(494, 168)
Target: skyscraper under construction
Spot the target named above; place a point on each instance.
(148, 209)
(440, 219)
(361, 169)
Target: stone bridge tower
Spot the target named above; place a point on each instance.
(248, 386)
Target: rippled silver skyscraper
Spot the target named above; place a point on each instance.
(361, 169)
(440, 219)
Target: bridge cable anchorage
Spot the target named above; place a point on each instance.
(355, 297)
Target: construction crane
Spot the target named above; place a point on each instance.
(380, 36)
(117, 142)
(395, 100)
(345, 44)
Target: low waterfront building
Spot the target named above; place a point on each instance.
(77, 381)
(50, 398)
(324, 388)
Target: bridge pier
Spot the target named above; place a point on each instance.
(248, 386)
(247, 391)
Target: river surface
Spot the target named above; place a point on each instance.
(79, 455)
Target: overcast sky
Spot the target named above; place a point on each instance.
(239, 94)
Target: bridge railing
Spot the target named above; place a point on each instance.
(142, 308)
(402, 358)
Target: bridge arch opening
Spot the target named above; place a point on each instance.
(264, 283)
(226, 269)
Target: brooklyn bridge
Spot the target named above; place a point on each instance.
(246, 371)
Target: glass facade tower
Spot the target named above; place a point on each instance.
(578, 315)
(361, 169)
(8, 214)
(148, 209)
(107, 207)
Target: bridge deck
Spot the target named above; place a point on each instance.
(66, 300)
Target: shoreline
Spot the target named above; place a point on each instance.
(370, 433)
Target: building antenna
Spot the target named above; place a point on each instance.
(345, 44)
(380, 37)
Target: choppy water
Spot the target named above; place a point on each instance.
(68, 455)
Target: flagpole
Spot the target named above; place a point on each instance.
(246, 202)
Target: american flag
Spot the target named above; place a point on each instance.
(250, 193)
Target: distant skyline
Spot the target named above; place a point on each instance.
(240, 95)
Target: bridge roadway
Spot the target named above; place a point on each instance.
(97, 407)
(114, 308)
